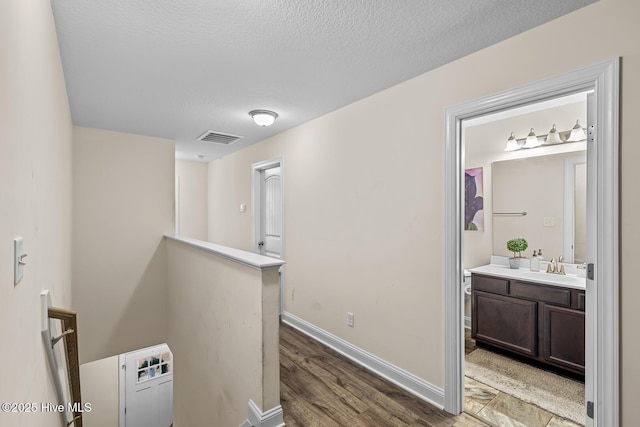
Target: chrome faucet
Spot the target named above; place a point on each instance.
(555, 269)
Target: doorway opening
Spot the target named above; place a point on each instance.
(268, 212)
(525, 349)
(602, 282)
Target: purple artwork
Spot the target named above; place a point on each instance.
(473, 203)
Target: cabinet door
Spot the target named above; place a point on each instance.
(564, 337)
(505, 322)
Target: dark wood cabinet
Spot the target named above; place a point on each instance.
(564, 336)
(542, 322)
(510, 323)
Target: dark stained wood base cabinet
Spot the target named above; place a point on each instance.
(510, 323)
(542, 322)
(564, 337)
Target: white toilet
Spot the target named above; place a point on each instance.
(466, 288)
(466, 284)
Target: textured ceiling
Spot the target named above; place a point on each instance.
(177, 68)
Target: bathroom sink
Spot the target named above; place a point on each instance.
(569, 281)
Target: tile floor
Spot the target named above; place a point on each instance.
(503, 410)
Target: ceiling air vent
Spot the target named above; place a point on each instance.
(218, 138)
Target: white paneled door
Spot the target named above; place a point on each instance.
(271, 212)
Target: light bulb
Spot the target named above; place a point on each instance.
(512, 144)
(553, 137)
(532, 140)
(577, 133)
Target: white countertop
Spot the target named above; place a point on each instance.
(567, 281)
(250, 259)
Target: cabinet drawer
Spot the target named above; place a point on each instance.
(490, 284)
(553, 295)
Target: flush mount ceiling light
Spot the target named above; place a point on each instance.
(263, 117)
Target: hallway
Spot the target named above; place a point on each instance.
(319, 387)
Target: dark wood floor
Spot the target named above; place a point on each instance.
(319, 387)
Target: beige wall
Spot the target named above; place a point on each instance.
(123, 206)
(193, 198)
(225, 197)
(35, 202)
(223, 332)
(99, 383)
(364, 193)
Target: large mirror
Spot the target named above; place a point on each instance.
(542, 199)
(534, 180)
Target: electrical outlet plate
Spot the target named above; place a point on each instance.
(18, 268)
(350, 320)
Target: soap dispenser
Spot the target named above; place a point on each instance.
(540, 258)
(534, 264)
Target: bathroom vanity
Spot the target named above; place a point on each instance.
(533, 314)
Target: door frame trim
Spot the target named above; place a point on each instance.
(603, 325)
(570, 164)
(256, 169)
(122, 379)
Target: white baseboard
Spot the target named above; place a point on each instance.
(274, 417)
(467, 322)
(406, 380)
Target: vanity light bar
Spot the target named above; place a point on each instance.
(557, 137)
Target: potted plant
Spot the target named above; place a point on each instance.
(517, 246)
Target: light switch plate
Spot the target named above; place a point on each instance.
(18, 268)
(549, 221)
